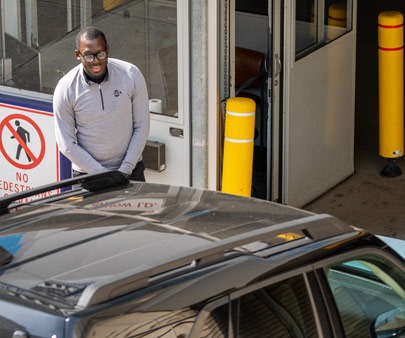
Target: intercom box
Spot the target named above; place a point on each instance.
(154, 156)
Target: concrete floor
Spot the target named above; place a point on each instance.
(367, 199)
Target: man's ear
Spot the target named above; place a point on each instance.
(77, 53)
(107, 49)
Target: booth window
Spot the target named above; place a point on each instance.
(319, 22)
(38, 42)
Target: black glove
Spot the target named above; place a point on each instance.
(127, 176)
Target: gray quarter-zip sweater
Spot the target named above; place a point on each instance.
(102, 126)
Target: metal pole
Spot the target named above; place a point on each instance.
(3, 43)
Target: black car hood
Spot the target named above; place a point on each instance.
(86, 238)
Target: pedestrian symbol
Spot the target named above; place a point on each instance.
(26, 137)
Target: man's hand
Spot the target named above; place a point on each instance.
(127, 176)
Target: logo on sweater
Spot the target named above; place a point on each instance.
(117, 93)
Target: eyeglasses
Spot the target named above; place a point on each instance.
(90, 57)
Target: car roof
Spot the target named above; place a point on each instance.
(82, 247)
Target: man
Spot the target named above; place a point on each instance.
(101, 111)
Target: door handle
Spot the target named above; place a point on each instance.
(277, 65)
(277, 69)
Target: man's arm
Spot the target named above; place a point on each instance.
(141, 124)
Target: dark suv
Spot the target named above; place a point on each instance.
(126, 259)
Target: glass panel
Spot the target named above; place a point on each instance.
(305, 26)
(165, 324)
(337, 20)
(252, 6)
(318, 22)
(216, 323)
(369, 293)
(279, 310)
(143, 32)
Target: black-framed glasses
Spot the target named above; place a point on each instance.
(90, 57)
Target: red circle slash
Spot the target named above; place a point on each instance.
(36, 160)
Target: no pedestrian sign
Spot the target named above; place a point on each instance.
(32, 143)
(28, 151)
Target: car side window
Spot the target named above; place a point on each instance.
(369, 292)
(216, 324)
(167, 324)
(278, 310)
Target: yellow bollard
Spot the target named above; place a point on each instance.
(238, 146)
(337, 15)
(111, 4)
(336, 18)
(391, 88)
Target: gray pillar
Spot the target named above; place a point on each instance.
(199, 92)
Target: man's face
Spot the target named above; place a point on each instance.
(96, 68)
